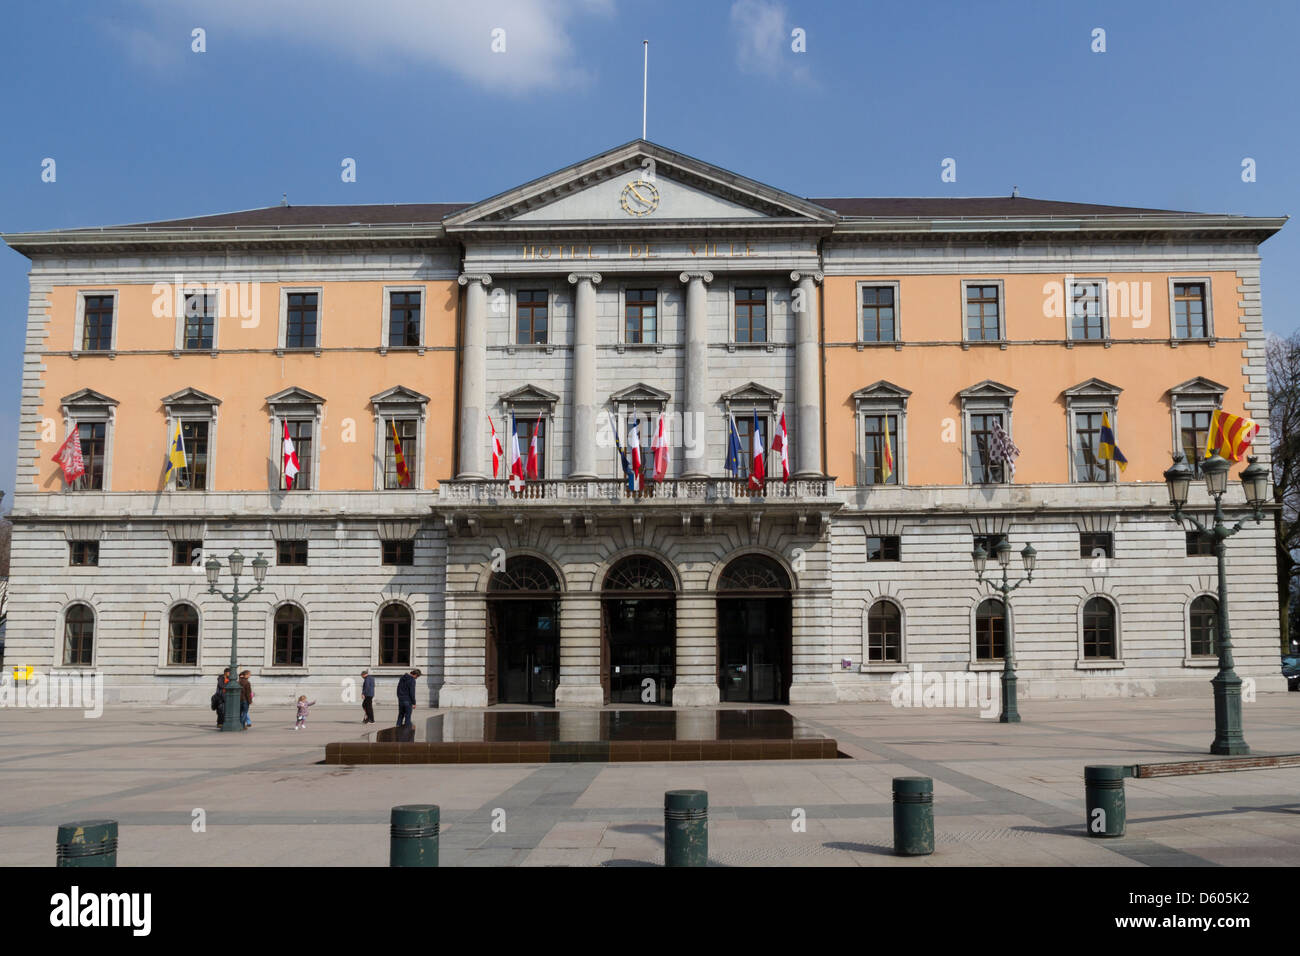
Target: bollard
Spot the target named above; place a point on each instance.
(913, 816)
(1104, 796)
(91, 843)
(686, 828)
(413, 835)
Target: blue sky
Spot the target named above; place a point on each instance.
(141, 127)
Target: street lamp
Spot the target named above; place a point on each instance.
(1228, 735)
(213, 568)
(1029, 557)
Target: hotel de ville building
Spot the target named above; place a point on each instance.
(896, 343)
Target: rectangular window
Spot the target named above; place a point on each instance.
(1198, 545)
(751, 315)
(194, 476)
(1194, 435)
(527, 426)
(200, 320)
(93, 436)
(983, 313)
(97, 327)
(1086, 318)
(186, 553)
(873, 448)
(531, 316)
(403, 319)
(83, 554)
(745, 429)
(300, 433)
(1190, 320)
(398, 553)
(300, 320)
(983, 470)
(406, 430)
(291, 553)
(878, 314)
(1096, 544)
(641, 316)
(883, 548)
(1088, 466)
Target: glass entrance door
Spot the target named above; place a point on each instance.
(754, 649)
(642, 636)
(528, 652)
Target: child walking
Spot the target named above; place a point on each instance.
(303, 706)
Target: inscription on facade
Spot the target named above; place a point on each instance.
(640, 250)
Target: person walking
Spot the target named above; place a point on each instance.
(219, 698)
(245, 697)
(406, 698)
(304, 705)
(367, 697)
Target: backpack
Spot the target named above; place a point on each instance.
(216, 700)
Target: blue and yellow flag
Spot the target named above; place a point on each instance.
(1109, 451)
(175, 453)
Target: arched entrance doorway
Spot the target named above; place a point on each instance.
(754, 631)
(638, 645)
(523, 633)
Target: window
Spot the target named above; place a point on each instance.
(394, 636)
(93, 437)
(186, 553)
(300, 433)
(989, 542)
(983, 470)
(1204, 625)
(883, 547)
(200, 330)
(990, 630)
(1098, 629)
(301, 312)
(406, 432)
(874, 441)
(78, 635)
(745, 429)
(1199, 545)
(194, 476)
(1194, 434)
(398, 552)
(1088, 466)
(97, 323)
(531, 316)
(1191, 319)
(527, 426)
(878, 314)
(183, 636)
(640, 316)
(403, 319)
(983, 313)
(884, 632)
(1090, 542)
(290, 627)
(291, 553)
(1087, 310)
(751, 315)
(83, 554)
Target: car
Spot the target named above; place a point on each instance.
(1291, 671)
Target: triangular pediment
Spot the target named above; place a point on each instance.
(87, 396)
(751, 392)
(639, 393)
(399, 395)
(1198, 386)
(1093, 388)
(294, 396)
(637, 184)
(882, 390)
(190, 396)
(988, 389)
(529, 395)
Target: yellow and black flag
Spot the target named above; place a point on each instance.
(1109, 451)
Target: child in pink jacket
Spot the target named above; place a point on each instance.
(303, 706)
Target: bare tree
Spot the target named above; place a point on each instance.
(1284, 424)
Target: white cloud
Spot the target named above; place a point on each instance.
(764, 41)
(456, 35)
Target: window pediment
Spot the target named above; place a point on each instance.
(640, 394)
(988, 392)
(1093, 390)
(882, 393)
(530, 396)
(398, 395)
(190, 400)
(751, 393)
(1199, 389)
(294, 397)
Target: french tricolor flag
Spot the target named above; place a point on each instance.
(516, 462)
(758, 472)
(634, 446)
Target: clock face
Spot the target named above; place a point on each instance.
(639, 198)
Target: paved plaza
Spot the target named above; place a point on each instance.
(1004, 795)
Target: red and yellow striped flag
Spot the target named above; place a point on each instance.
(403, 473)
(1230, 435)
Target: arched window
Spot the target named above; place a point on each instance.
(395, 635)
(78, 635)
(884, 632)
(1098, 629)
(754, 572)
(525, 573)
(183, 635)
(290, 628)
(990, 630)
(639, 573)
(1204, 626)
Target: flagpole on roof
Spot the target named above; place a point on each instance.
(645, 82)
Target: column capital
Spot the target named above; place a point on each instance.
(467, 278)
(800, 276)
(592, 277)
(703, 276)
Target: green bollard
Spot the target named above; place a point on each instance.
(413, 835)
(1104, 795)
(913, 816)
(686, 828)
(92, 843)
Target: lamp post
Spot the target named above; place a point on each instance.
(1009, 715)
(213, 567)
(1228, 735)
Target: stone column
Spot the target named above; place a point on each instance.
(695, 407)
(697, 651)
(472, 452)
(582, 436)
(579, 651)
(807, 376)
(464, 651)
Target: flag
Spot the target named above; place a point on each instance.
(758, 473)
(68, 457)
(516, 462)
(290, 460)
(175, 454)
(1230, 435)
(1003, 449)
(634, 446)
(403, 473)
(497, 452)
(629, 476)
(781, 443)
(659, 448)
(887, 461)
(533, 463)
(733, 449)
(1108, 450)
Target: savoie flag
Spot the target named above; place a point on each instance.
(1108, 450)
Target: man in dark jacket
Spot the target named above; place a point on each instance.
(367, 697)
(220, 697)
(406, 698)
(245, 697)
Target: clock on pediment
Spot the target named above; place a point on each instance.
(639, 198)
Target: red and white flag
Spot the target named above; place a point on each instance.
(634, 446)
(532, 451)
(497, 453)
(290, 460)
(68, 457)
(781, 443)
(516, 462)
(758, 471)
(659, 448)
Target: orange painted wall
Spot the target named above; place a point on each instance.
(351, 315)
(931, 310)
